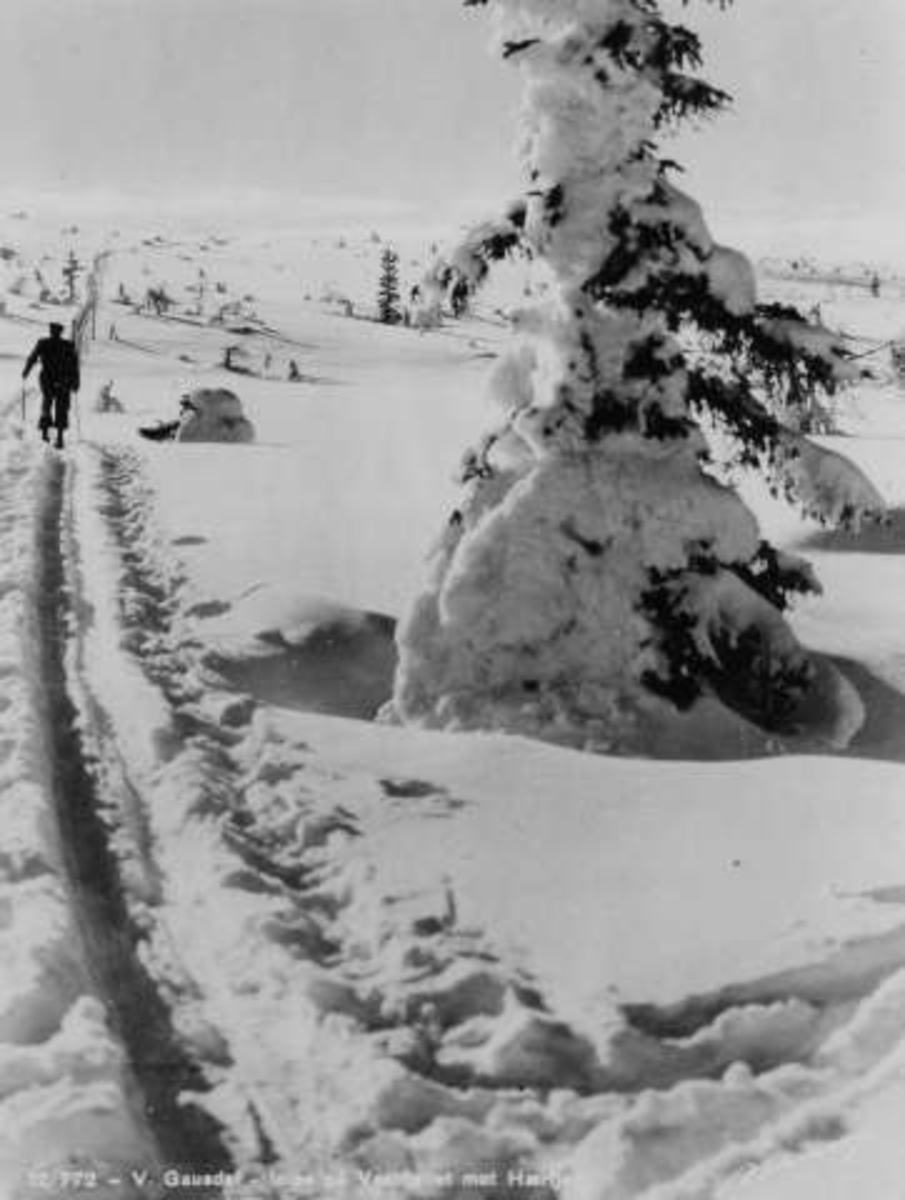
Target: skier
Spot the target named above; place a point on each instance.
(59, 378)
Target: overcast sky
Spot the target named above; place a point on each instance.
(814, 141)
(399, 100)
(368, 98)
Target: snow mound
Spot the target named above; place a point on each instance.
(213, 415)
(273, 614)
(305, 652)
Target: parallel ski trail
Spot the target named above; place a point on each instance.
(161, 1069)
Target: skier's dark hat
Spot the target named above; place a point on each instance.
(56, 325)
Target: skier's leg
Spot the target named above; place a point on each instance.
(61, 415)
(45, 420)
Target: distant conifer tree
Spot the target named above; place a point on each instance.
(597, 580)
(388, 308)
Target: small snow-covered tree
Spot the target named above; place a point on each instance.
(72, 268)
(388, 288)
(597, 578)
(158, 301)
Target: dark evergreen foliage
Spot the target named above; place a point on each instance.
(388, 305)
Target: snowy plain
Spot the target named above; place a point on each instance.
(383, 961)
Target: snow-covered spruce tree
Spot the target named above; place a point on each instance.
(388, 309)
(596, 579)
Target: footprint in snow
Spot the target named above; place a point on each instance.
(419, 789)
(410, 789)
(209, 608)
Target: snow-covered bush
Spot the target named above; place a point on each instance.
(213, 415)
(106, 401)
(595, 578)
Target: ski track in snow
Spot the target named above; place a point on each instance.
(192, 912)
(67, 1100)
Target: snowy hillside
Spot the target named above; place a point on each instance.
(257, 944)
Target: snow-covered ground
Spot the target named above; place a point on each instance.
(255, 943)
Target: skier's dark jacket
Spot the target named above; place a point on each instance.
(59, 363)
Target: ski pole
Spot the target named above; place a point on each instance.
(876, 350)
(23, 401)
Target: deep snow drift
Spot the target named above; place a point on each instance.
(403, 962)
